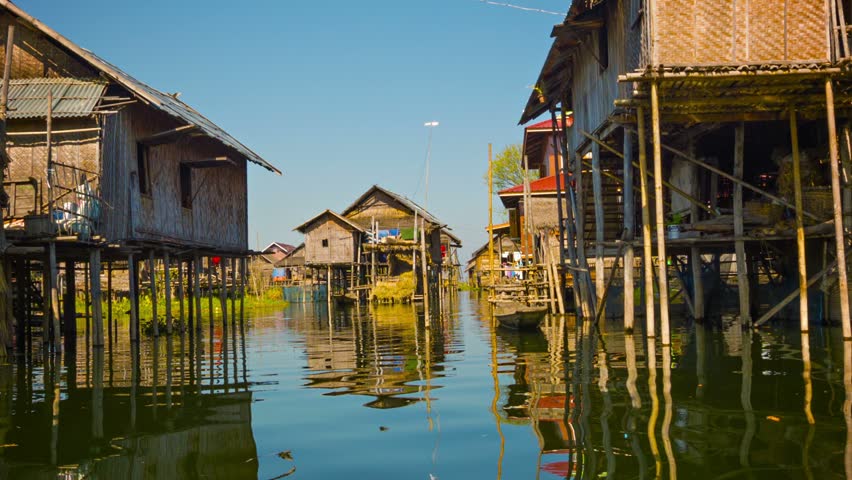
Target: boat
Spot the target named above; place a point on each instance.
(520, 317)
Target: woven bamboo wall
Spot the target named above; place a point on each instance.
(385, 210)
(218, 216)
(35, 56)
(28, 155)
(733, 32)
(341, 242)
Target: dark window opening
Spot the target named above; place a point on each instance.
(185, 186)
(603, 47)
(142, 170)
(325, 242)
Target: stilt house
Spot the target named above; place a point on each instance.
(722, 118)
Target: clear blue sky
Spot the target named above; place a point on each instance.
(335, 93)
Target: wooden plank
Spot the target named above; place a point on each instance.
(800, 224)
(739, 229)
(662, 277)
(839, 239)
(213, 162)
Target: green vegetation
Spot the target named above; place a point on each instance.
(399, 291)
(468, 287)
(271, 299)
(508, 168)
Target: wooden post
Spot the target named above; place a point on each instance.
(87, 301)
(424, 264)
(223, 300)
(695, 252)
(739, 229)
(181, 295)
(629, 227)
(232, 292)
(328, 287)
(846, 165)
(70, 303)
(134, 298)
(662, 277)
(648, 254)
(800, 224)
(839, 241)
(53, 300)
(597, 190)
(196, 290)
(152, 277)
(210, 271)
(167, 286)
(491, 279)
(97, 306)
(109, 303)
(243, 269)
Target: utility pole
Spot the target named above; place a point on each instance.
(490, 219)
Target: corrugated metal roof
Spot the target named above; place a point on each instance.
(71, 97)
(152, 96)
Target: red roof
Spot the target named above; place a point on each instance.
(548, 124)
(542, 185)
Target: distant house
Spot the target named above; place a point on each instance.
(331, 239)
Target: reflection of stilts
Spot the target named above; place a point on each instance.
(635, 401)
(806, 376)
(667, 417)
(651, 356)
(847, 404)
(745, 398)
(496, 398)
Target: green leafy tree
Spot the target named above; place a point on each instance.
(509, 169)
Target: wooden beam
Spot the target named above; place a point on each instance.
(168, 136)
(648, 258)
(212, 162)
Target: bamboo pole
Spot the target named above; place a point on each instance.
(739, 229)
(800, 224)
(54, 299)
(109, 303)
(69, 302)
(232, 292)
(5, 332)
(97, 308)
(153, 282)
(243, 269)
(210, 272)
(558, 157)
(425, 266)
(695, 252)
(181, 294)
(629, 228)
(597, 190)
(839, 239)
(167, 287)
(662, 277)
(223, 301)
(490, 220)
(196, 290)
(134, 298)
(647, 260)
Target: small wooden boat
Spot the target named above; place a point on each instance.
(520, 317)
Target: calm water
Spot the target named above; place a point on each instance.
(374, 394)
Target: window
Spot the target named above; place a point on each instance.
(185, 186)
(325, 243)
(142, 170)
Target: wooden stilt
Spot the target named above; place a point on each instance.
(243, 269)
(223, 292)
(597, 191)
(87, 301)
(210, 271)
(134, 298)
(629, 228)
(109, 304)
(328, 287)
(54, 300)
(152, 277)
(662, 278)
(800, 224)
(839, 240)
(424, 264)
(70, 302)
(181, 295)
(739, 229)
(232, 292)
(196, 290)
(695, 252)
(167, 287)
(97, 305)
(846, 175)
(647, 256)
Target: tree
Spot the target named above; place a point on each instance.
(509, 169)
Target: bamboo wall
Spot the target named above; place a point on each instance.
(28, 157)
(342, 243)
(733, 32)
(385, 210)
(218, 216)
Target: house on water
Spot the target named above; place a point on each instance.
(720, 121)
(106, 169)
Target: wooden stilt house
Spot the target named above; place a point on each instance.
(106, 168)
(722, 121)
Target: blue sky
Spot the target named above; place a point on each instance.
(335, 93)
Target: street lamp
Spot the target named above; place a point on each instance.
(431, 126)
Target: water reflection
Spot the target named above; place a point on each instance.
(293, 389)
